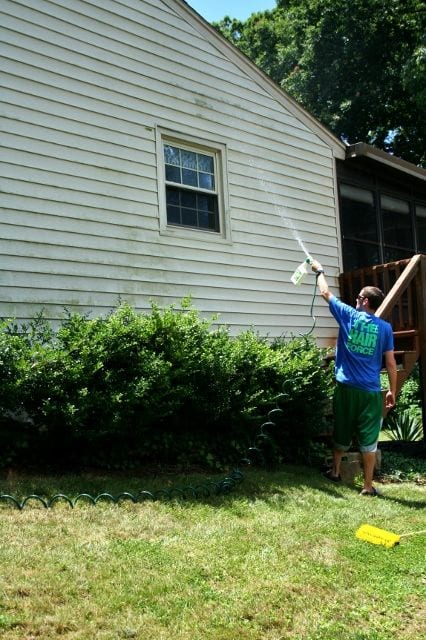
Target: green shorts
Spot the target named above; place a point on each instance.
(356, 413)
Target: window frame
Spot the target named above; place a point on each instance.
(199, 145)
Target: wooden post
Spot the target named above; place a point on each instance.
(421, 319)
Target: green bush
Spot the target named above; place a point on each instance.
(18, 346)
(402, 467)
(404, 422)
(404, 425)
(164, 387)
(409, 397)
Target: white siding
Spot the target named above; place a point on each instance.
(85, 88)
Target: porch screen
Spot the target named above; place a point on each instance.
(359, 227)
(421, 228)
(398, 236)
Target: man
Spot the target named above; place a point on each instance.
(363, 341)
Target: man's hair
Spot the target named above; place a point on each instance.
(375, 296)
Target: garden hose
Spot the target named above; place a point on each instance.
(254, 456)
(311, 312)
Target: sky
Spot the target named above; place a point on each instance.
(215, 10)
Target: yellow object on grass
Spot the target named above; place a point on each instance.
(381, 536)
(377, 536)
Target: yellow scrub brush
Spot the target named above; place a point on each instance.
(381, 536)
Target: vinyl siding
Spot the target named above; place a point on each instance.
(86, 88)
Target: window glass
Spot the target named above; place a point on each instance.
(397, 223)
(206, 180)
(356, 193)
(189, 177)
(391, 254)
(192, 210)
(189, 159)
(421, 227)
(173, 174)
(189, 167)
(171, 155)
(358, 214)
(205, 163)
(394, 204)
(359, 254)
(191, 193)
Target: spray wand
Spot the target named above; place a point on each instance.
(297, 279)
(301, 271)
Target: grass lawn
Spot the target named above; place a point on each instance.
(277, 558)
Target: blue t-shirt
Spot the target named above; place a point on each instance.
(362, 341)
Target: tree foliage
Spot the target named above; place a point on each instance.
(358, 66)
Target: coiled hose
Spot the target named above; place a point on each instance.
(254, 456)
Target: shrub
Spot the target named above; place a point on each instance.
(402, 467)
(404, 422)
(409, 398)
(163, 387)
(18, 346)
(404, 426)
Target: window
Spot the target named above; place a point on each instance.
(421, 228)
(192, 178)
(359, 227)
(382, 214)
(397, 226)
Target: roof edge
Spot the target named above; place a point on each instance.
(227, 48)
(362, 149)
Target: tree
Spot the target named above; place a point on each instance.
(359, 66)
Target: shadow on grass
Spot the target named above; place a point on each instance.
(412, 504)
(253, 483)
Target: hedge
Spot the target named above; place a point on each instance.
(164, 387)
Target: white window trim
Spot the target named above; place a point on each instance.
(220, 154)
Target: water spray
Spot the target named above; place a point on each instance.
(302, 269)
(279, 208)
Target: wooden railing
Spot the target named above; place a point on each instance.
(404, 285)
(398, 281)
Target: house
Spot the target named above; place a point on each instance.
(145, 158)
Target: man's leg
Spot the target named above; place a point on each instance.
(337, 459)
(369, 431)
(369, 462)
(342, 431)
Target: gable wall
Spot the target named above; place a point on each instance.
(85, 87)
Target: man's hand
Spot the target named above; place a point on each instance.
(316, 266)
(390, 400)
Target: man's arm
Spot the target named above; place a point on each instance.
(391, 369)
(321, 281)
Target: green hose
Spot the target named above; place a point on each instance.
(254, 456)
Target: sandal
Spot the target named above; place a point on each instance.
(373, 493)
(330, 476)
